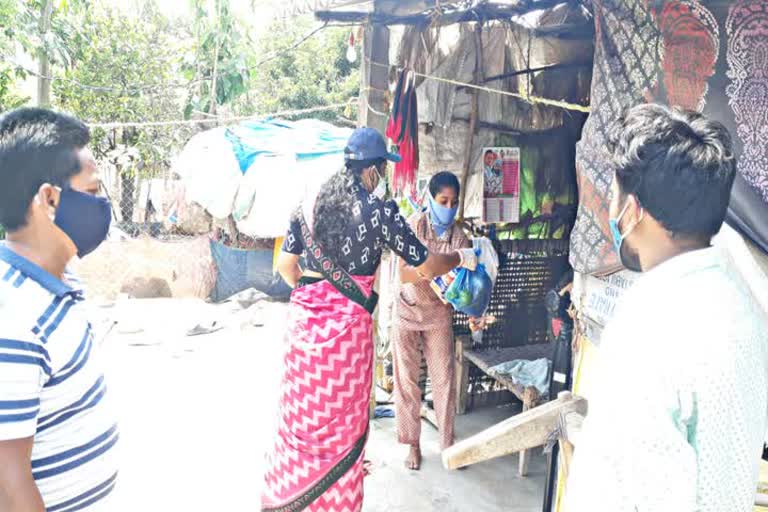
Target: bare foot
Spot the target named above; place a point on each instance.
(413, 462)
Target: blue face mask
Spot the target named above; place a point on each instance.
(84, 218)
(442, 218)
(618, 238)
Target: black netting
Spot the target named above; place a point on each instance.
(527, 270)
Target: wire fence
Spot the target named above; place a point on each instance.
(159, 245)
(163, 245)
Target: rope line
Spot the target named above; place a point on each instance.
(182, 122)
(525, 97)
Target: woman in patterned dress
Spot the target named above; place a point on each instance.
(424, 324)
(317, 461)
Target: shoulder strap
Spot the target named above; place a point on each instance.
(334, 274)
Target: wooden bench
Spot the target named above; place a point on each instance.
(487, 359)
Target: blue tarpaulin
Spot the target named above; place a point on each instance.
(239, 269)
(307, 139)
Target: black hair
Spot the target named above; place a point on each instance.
(678, 164)
(37, 146)
(333, 208)
(68, 130)
(488, 152)
(444, 179)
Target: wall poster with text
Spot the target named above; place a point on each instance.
(501, 185)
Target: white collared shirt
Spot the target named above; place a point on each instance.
(679, 405)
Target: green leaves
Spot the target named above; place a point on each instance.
(125, 69)
(219, 49)
(288, 77)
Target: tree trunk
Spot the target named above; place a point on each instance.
(44, 65)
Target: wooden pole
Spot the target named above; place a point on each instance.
(375, 78)
(473, 118)
(461, 376)
(44, 64)
(372, 104)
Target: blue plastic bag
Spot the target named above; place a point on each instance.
(471, 291)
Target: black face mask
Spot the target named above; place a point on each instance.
(84, 218)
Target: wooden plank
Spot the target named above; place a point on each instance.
(570, 427)
(484, 11)
(526, 430)
(461, 375)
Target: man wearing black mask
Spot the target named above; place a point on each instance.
(57, 433)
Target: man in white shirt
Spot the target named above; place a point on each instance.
(679, 406)
(57, 431)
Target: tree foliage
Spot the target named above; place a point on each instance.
(315, 73)
(125, 69)
(9, 98)
(111, 67)
(219, 53)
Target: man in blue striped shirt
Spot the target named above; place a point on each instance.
(57, 433)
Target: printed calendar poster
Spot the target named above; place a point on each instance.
(501, 185)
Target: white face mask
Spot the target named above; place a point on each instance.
(381, 188)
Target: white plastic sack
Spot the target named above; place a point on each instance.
(272, 189)
(210, 171)
(488, 256)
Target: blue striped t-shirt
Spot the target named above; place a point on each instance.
(52, 387)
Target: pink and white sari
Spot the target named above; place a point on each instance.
(317, 461)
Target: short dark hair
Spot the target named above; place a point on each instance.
(678, 164)
(37, 146)
(444, 179)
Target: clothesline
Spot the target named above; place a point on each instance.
(182, 122)
(525, 97)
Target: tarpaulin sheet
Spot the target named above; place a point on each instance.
(306, 139)
(705, 56)
(258, 171)
(239, 269)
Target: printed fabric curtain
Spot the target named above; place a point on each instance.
(708, 56)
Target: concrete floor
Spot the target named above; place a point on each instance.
(196, 416)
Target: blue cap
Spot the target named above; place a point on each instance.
(368, 144)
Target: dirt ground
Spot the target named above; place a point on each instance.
(196, 416)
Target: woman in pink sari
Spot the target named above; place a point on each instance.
(317, 460)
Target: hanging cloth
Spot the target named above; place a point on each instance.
(403, 130)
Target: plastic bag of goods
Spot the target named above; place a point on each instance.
(468, 291)
(487, 256)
